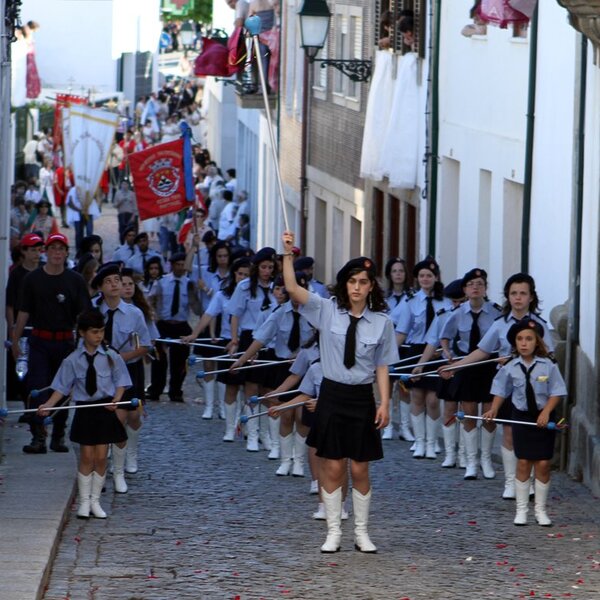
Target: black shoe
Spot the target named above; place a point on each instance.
(152, 398)
(58, 445)
(37, 446)
(176, 398)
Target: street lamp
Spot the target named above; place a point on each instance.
(314, 26)
(188, 34)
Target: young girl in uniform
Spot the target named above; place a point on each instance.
(357, 344)
(521, 301)
(535, 386)
(398, 290)
(92, 375)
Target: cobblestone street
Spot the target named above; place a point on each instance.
(206, 519)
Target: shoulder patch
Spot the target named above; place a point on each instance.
(455, 308)
(500, 317)
(409, 294)
(277, 307)
(496, 306)
(441, 311)
(539, 318)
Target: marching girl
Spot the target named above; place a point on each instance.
(219, 306)
(210, 279)
(250, 298)
(521, 301)
(461, 334)
(286, 330)
(416, 316)
(398, 289)
(152, 273)
(357, 345)
(91, 374)
(535, 386)
(127, 333)
(454, 292)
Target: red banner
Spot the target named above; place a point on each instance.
(158, 179)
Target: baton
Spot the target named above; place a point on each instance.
(246, 418)
(201, 374)
(134, 402)
(173, 341)
(560, 426)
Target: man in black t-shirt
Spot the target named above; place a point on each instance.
(51, 298)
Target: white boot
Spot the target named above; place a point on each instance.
(84, 486)
(487, 441)
(449, 433)
(509, 462)
(118, 459)
(333, 513)
(230, 422)
(471, 448)
(320, 515)
(405, 432)
(208, 387)
(360, 505)
(431, 435)
(220, 393)
(418, 427)
(462, 456)
(133, 435)
(265, 434)
(251, 431)
(299, 455)
(541, 496)
(274, 435)
(387, 432)
(286, 445)
(522, 496)
(97, 485)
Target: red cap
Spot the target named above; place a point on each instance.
(57, 237)
(30, 240)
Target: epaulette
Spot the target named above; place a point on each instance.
(319, 282)
(440, 312)
(496, 306)
(501, 317)
(410, 294)
(552, 357)
(277, 307)
(539, 318)
(455, 307)
(315, 361)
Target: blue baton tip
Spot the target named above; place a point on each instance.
(404, 378)
(253, 399)
(551, 425)
(252, 24)
(34, 393)
(135, 402)
(3, 413)
(460, 415)
(200, 374)
(48, 421)
(243, 419)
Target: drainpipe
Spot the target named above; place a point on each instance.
(434, 68)
(574, 315)
(304, 153)
(529, 142)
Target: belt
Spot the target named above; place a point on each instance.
(53, 336)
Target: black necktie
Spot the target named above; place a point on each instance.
(429, 313)
(266, 300)
(294, 339)
(175, 301)
(132, 250)
(475, 335)
(529, 393)
(90, 375)
(397, 298)
(144, 262)
(350, 346)
(108, 328)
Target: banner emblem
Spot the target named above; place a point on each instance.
(164, 177)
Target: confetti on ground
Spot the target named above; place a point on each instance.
(501, 546)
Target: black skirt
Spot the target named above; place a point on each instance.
(344, 423)
(425, 383)
(228, 378)
(206, 352)
(136, 372)
(532, 443)
(96, 425)
(473, 384)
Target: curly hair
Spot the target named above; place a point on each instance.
(375, 300)
(534, 305)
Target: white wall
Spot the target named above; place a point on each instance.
(221, 114)
(483, 105)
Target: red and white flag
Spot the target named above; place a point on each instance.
(158, 179)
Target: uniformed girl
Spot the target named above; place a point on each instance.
(416, 316)
(357, 345)
(521, 301)
(219, 306)
(534, 384)
(127, 333)
(91, 374)
(250, 298)
(152, 273)
(460, 336)
(285, 330)
(398, 290)
(210, 279)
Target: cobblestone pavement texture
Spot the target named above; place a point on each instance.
(204, 519)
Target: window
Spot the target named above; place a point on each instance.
(401, 25)
(348, 36)
(319, 75)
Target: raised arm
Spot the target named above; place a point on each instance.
(296, 292)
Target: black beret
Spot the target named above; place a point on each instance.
(356, 264)
(242, 261)
(177, 256)
(218, 246)
(390, 263)
(140, 236)
(454, 290)
(474, 274)
(127, 272)
(278, 281)
(105, 271)
(301, 279)
(243, 253)
(263, 254)
(209, 236)
(304, 262)
(521, 325)
(428, 264)
(129, 228)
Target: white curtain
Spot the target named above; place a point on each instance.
(92, 132)
(377, 116)
(400, 146)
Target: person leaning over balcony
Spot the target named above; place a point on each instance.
(357, 344)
